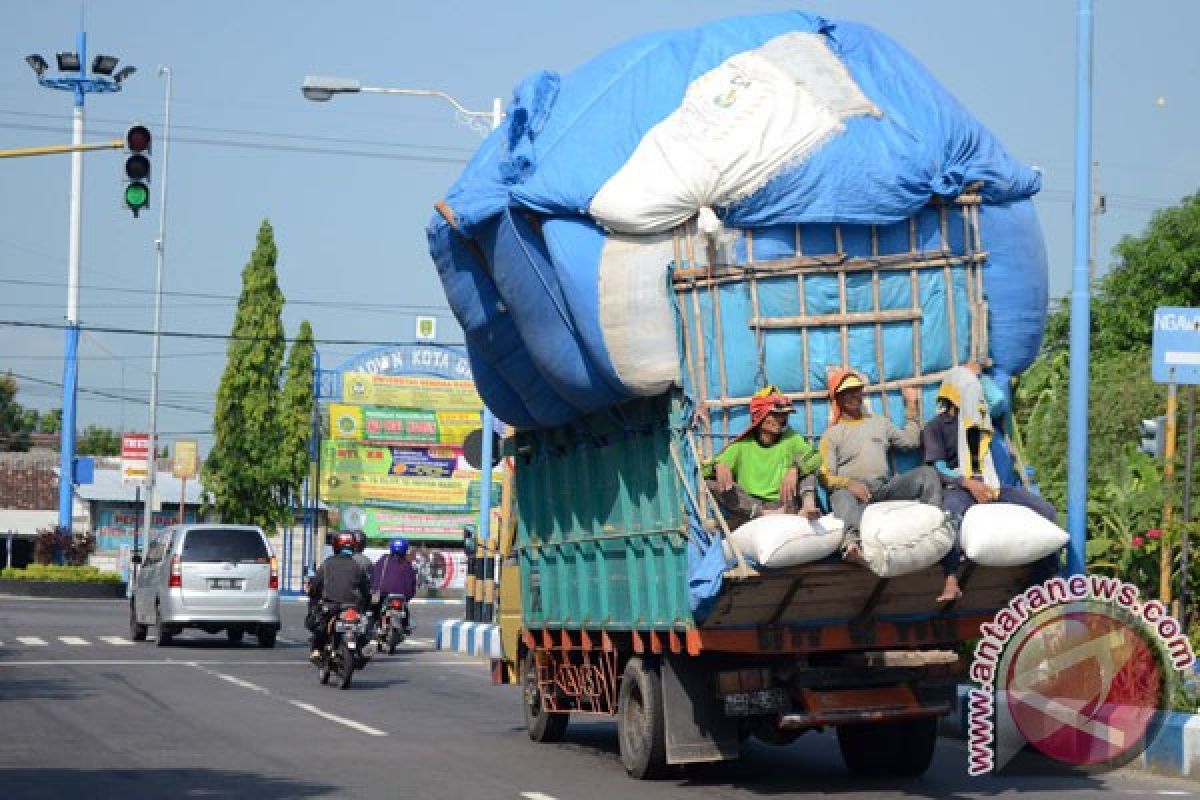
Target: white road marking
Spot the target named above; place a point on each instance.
(286, 641)
(349, 723)
(536, 796)
(117, 640)
(426, 642)
(77, 641)
(32, 641)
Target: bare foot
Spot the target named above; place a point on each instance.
(950, 591)
(810, 509)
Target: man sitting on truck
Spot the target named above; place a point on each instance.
(966, 403)
(854, 457)
(766, 467)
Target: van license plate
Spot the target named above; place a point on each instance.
(225, 583)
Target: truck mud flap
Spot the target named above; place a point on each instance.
(696, 726)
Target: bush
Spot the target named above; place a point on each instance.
(57, 574)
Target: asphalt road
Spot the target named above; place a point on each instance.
(88, 714)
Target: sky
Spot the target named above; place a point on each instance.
(349, 185)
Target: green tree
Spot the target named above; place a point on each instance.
(97, 441)
(50, 422)
(243, 468)
(13, 433)
(1159, 268)
(297, 409)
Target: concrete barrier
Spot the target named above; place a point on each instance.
(472, 638)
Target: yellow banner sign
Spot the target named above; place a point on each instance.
(412, 492)
(453, 426)
(406, 391)
(183, 466)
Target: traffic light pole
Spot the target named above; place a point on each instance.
(55, 149)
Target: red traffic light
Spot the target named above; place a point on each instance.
(138, 138)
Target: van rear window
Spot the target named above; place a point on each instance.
(224, 544)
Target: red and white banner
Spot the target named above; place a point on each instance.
(135, 457)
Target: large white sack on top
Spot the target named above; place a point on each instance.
(1006, 534)
(736, 127)
(785, 540)
(903, 536)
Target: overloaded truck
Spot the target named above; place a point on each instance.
(646, 242)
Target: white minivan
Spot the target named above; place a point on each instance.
(213, 577)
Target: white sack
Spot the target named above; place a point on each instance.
(636, 314)
(903, 536)
(785, 540)
(1006, 534)
(737, 126)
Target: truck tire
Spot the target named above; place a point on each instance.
(640, 724)
(891, 748)
(544, 726)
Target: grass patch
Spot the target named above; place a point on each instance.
(59, 574)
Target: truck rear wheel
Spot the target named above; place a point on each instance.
(640, 724)
(890, 748)
(543, 726)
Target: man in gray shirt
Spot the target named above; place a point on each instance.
(854, 457)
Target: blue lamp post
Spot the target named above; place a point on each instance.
(74, 79)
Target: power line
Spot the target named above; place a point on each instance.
(223, 336)
(109, 396)
(436, 311)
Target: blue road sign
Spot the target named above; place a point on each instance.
(1175, 355)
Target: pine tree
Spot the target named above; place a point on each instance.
(296, 411)
(243, 470)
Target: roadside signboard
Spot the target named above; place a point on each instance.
(135, 457)
(184, 464)
(407, 391)
(1175, 352)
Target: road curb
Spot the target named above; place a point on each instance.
(62, 589)
(1174, 753)
(472, 638)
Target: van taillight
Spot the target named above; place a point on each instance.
(273, 583)
(176, 580)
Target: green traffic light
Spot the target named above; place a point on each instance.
(137, 196)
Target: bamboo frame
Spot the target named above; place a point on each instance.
(692, 278)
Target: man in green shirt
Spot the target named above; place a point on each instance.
(768, 468)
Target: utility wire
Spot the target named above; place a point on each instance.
(109, 395)
(223, 336)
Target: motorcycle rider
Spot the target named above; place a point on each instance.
(394, 574)
(340, 582)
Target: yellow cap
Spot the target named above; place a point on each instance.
(850, 381)
(950, 393)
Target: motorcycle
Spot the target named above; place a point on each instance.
(393, 625)
(342, 651)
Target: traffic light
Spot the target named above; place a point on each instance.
(137, 168)
(1154, 436)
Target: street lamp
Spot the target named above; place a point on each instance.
(321, 89)
(160, 250)
(76, 81)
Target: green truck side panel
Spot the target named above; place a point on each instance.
(601, 528)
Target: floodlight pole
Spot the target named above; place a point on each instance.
(80, 85)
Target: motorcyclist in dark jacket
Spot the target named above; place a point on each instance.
(339, 583)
